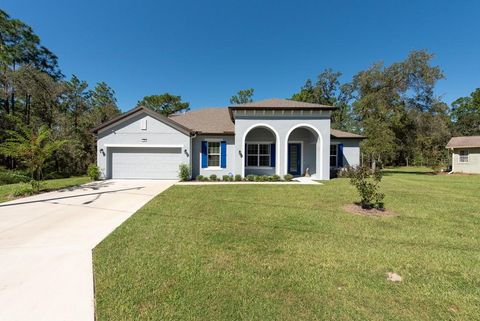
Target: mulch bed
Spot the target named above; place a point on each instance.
(358, 210)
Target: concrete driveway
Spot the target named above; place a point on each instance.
(46, 242)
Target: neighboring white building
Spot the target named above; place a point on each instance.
(465, 154)
(274, 136)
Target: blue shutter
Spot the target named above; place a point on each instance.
(340, 155)
(204, 154)
(223, 154)
(272, 155)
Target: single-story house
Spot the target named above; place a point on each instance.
(465, 154)
(274, 136)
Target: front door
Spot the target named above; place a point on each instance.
(294, 159)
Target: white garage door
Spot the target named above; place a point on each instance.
(145, 163)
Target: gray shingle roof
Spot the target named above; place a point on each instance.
(280, 103)
(464, 141)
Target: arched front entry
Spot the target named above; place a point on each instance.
(260, 150)
(303, 148)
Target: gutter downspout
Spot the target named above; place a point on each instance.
(453, 162)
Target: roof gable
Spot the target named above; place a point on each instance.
(141, 109)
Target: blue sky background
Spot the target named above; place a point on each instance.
(206, 51)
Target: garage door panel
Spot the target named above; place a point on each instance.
(145, 163)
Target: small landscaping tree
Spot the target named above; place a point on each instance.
(184, 172)
(31, 147)
(367, 181)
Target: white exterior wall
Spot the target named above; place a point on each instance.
(351, 150)
(473, 165)
(282, 126)
(128, 133)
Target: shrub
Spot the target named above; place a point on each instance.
(199, 178)
(13, 177)
(264, 178)
(275, 178)
(288, 177)
(23, 190)
(205, 179)
(238, 178)
(36, 185)
(251, 178)
(93, 172)
(367, 181)
(184, 172)
(226, 178)
(213, 177)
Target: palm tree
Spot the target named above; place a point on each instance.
(31, 146)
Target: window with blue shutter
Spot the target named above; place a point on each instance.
(340, 155)
(272, 155)
(223, 154)
(204, 154)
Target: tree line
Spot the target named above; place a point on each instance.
(395, 107)
(47, 119)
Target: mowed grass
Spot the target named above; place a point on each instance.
(7, 191)
(286, 252)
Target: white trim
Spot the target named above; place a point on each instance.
(301, 154)
(277, 146)
(319, 149)
(144, 145)
(215, 154)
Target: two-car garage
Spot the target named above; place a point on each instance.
(142, 144)
(144, 162)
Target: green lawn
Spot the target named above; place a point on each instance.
(286, 252)
(6, 191)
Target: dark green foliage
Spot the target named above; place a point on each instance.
(213, 177)
(367, 181)
(93, 172)
(31, 147)
(250, 178)
(35, 93)
(466, 115)
(226, 178)
(12, 177)
(184, 172)
(328, 91)
(165, 104)
(199, 178)
(238, 178)
(288, 177)
(242, 97)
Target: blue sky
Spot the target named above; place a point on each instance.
(206, 51)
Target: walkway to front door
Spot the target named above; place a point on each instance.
(294, 159)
